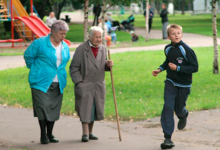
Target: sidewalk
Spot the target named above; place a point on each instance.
(19, 129)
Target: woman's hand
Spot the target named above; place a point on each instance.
(110, 63)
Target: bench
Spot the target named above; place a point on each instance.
(12, 41)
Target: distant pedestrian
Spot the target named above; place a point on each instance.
(87, 71)
(180, 64)
(96, 11)
(50, 19)
(151, 15)
(164, 19)
(113, 22)
(46, 58)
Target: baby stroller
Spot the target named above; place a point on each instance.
(128, 23)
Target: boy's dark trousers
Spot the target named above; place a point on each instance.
(174, 100)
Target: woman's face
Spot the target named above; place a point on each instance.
(59, 36)
(96, 40)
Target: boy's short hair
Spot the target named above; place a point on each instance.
(175, 26)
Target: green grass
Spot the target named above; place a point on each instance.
(139, 94)
(75, 34)
(199, 24)
(140, 43)
(15, 52)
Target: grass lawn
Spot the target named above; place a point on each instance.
(139, 94)
(75, 34)
(15, 52)
(199, 24)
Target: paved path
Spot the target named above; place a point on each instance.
(19, 129)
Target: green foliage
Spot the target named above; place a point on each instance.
(77, 4)
(139, 94)
(212, 1)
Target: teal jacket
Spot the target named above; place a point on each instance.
(40, 58)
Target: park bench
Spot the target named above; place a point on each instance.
(12, 41)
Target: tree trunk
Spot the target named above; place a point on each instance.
(183, 7)
(103, 21)
(153, 6)
(55, 9)
(60, 8)
(215, 42)
(158, 8)
(206, 9)
(193, 12)
(43, 9)
(85, 23)
(147, 20)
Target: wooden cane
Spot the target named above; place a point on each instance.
(113, 89)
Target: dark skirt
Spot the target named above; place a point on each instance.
(47, 106)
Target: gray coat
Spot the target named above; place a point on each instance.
(88, 75)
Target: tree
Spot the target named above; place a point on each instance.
(43, 7)
(184, 3)
(60, 6)
(214, 29)
(154, 6)
(206, 7)
(183, 7)
(157, 8)
(146, 23)
(104, 9)
(85, 24)
(76, 4)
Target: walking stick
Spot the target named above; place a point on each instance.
(113, 89)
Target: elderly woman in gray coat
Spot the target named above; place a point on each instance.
(87, 71)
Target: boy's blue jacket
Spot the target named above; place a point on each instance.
(40, 58)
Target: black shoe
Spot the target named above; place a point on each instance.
(93, 137)
(52, 139)
(44, 139)
(182, 122)
(85, 138)
(167, 144)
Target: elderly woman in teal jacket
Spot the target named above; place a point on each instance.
(46, 58)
